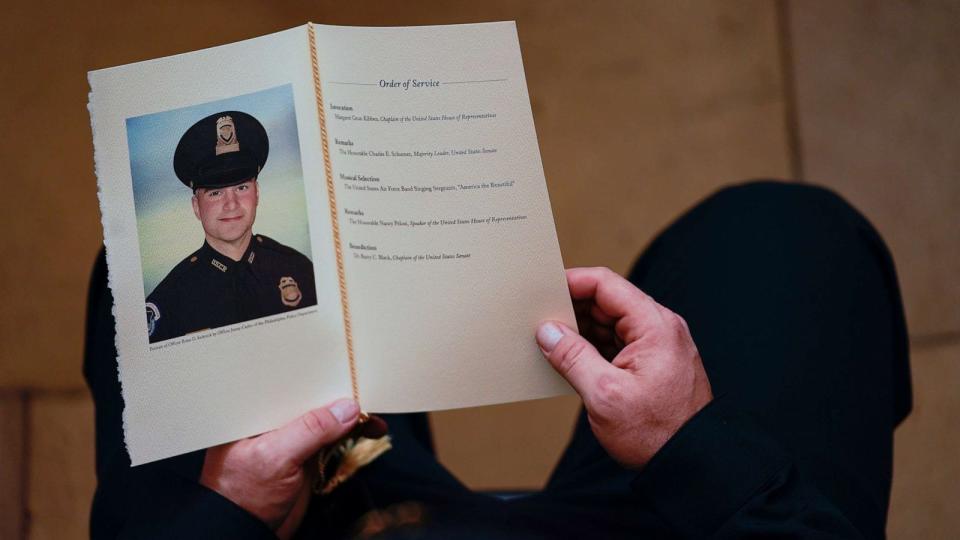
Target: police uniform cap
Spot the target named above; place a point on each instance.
(221, 150)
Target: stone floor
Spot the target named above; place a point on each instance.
(641, 108)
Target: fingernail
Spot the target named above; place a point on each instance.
(345, 410)
(548, 335)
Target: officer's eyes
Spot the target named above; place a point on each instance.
(216, 193)
(243, 187)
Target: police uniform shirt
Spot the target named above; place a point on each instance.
(209, 290)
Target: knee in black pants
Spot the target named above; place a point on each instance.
(792, 299)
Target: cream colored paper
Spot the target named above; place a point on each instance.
(428, 333)
(448, 332)
(229, 385)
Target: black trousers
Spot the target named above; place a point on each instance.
(792, 300)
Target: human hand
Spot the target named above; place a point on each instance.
(265, 475)
(655, 381)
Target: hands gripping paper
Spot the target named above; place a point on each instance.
(322, 212)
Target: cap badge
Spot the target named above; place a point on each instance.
(290, 293)
(226, 136)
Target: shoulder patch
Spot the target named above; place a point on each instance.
(153, 315)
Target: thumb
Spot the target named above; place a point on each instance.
(574, 358)
(317, 428)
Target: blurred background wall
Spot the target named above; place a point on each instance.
(642, 108)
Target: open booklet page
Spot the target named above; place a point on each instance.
(214, 346)
(232, 267)
(449, 246)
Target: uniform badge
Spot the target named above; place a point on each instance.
(290, 293)
(153, 315)
(226, 136)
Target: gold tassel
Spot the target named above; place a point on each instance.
(353, 454)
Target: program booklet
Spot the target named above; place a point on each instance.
(318, 213)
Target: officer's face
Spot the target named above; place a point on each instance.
(227, 214)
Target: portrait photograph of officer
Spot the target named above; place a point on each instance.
(221, 214)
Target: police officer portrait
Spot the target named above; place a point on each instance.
(221, 214)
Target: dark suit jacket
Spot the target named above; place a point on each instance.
(717, 477)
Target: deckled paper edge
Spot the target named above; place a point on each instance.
(97, 155)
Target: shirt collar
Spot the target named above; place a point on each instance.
(220, 262)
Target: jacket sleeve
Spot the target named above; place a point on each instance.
(156, 500)
(720, 476)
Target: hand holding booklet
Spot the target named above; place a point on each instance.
(323, 212)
